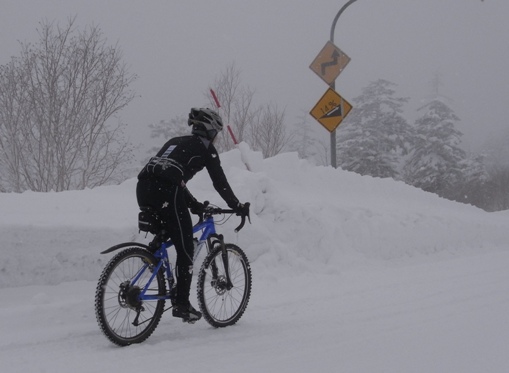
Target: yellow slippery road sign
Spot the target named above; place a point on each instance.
(330, 110)
(329, 63)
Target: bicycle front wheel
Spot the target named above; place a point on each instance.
(122, 316)
(223, 305)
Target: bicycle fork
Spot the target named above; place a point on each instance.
(224, 256)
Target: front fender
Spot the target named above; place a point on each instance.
(122, 245)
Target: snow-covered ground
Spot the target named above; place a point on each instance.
(350, 274)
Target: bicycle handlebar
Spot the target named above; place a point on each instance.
(209, 211)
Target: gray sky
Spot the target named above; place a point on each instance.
(178, 48)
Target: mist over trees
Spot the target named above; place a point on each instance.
(376, 140)
(59, 99)
(57, 104)
(262, 126)
(436, 164)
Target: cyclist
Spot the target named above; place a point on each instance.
(162, 186)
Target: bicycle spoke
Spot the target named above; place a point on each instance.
(222, 306)
(118, 302)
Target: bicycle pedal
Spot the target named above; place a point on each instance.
(188, 321)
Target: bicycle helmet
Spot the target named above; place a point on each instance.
(205, 122)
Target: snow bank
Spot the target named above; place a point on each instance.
(304, 218)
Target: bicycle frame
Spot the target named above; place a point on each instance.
(208, 229)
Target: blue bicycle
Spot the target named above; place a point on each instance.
(135, 284)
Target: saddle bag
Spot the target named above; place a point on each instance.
(149, 221)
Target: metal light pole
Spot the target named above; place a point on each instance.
(333, 85)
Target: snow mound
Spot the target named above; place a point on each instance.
(304, 218)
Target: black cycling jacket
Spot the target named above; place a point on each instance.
(181, 158)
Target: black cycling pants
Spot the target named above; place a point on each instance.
(170, 202)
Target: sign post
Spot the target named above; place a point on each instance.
(329, 63)
(331, 109)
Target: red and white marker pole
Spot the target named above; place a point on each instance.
(214, 96)
(230, 131)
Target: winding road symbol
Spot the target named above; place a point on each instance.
(335, 58)
(329, 63)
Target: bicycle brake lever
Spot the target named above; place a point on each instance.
(243, 218)
(241, 225)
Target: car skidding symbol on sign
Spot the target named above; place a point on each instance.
(330, 110)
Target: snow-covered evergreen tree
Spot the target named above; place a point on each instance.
(437, 162)
(375, 137)
(471, 188)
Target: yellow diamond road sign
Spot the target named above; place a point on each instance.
(331, 110)
(329, 63)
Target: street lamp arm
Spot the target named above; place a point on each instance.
(337, 17)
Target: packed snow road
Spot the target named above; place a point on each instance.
(446, 315)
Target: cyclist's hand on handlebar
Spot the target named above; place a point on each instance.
(198, 208)
(242, 209)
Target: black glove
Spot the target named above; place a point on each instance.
(242, 209)
(196, 207)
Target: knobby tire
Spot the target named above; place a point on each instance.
(115, 306)
(221, 307)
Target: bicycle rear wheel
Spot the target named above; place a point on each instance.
(122, 316)
(222, 307)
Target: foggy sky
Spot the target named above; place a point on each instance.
(178, 48)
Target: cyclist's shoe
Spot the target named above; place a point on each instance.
(186, 312)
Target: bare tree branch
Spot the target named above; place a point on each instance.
(57, 104)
